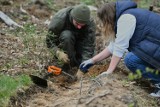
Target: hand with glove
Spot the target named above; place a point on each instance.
(99, 81)
(102, 78)
(84, 66)
(62, 56)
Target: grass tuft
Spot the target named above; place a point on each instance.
(9, 85)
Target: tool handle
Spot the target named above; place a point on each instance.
(55, 70)
(48, 75)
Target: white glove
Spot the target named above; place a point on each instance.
(101, 79)
(103, 74)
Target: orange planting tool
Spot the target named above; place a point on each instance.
(55, 70)
(52, 70)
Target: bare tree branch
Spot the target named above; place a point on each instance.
(8, 20)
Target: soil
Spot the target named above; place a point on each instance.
(85, 93)
(117, 90)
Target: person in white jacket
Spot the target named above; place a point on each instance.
(133, 31)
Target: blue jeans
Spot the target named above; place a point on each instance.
(134, 63)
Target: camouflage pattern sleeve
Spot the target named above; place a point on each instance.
(89, 43)
(55, 28)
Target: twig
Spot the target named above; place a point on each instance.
(8, 20)
(81, 83)
(94, 85)
(59, 103)
(101, 95)
(22, 10)
(95, 80)
(91, 89)
(81, 99)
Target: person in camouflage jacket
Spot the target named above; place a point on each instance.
(71, 35)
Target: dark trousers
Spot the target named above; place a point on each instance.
(70, 42)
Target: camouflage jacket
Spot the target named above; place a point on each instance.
(63, 21)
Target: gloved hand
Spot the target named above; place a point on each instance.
(84, 66)
(101, 78)
(100, 81)
(79, 74)
(62, 56)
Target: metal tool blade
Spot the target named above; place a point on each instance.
(39, 81)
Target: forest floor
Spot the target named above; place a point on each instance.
(23, 51)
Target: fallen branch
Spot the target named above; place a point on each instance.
(95, 80)
(62, 102)
(79, 100)
(81, 82)
(8, 20)
(98, 96)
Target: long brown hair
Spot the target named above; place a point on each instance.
(107, 14)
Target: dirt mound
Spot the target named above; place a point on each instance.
(117, 91)
(85, 93)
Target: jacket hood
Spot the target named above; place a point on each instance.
(122, 6)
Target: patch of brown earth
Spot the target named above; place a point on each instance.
(63, 94)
